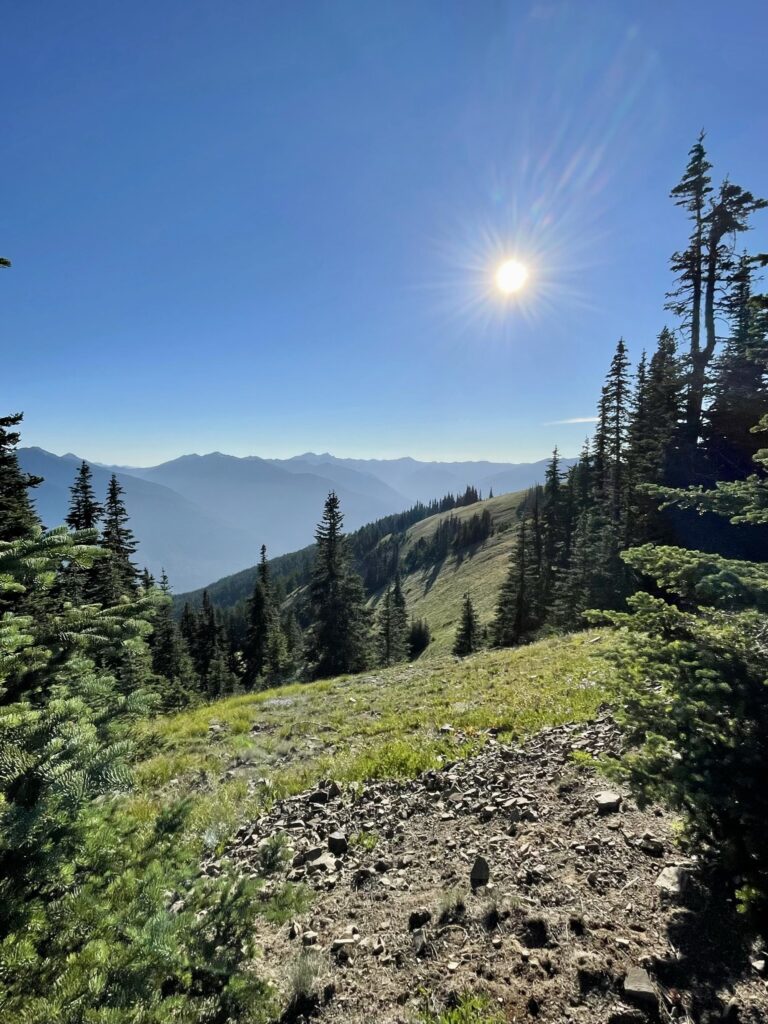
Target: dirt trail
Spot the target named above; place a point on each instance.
(518, 873)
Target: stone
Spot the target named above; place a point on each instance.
(337, 843)
(608, 802)
(318, 797)
(651, 845)
(344, 942)
(309, 938)
(638, 987)
(672, 880)
(418, 918)
(419, 942)
(480, 874)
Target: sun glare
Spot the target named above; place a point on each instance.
(511, 276)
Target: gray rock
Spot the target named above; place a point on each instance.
(608, 802)
(638, 988)
(480, 874)
(318, 797)
(337, 843)
(420, 942)
(309, 938)
(672, 880)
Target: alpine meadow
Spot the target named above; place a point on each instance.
(467, 722)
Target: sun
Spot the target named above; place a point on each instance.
(511, 276)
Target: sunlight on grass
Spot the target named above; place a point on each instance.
(235, 756)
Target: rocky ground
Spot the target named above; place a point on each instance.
(518, 873)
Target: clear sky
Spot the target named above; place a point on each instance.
(266, 227)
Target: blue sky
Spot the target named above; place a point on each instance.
(263, 228)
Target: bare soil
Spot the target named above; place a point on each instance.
(568, 916)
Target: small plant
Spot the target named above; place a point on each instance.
(365, 840)
(452, 907)
(272, 854)
(469, 1009)
(289, 901)
(303, 975)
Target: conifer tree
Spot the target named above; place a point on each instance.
(419, 638)
(339, 639)
(170, 658)
(516, 610)
(468, 635)
(705, 271)
(265, 647)
(691, 686)
(84, 510)
(392, 638)
(739, 389)
(116, 576)
(17, 515)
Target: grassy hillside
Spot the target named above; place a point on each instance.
(232, 756)
(435, 593)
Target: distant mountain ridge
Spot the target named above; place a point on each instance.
(203, 517)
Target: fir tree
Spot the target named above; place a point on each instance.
(339, 640)
(170, 658)
(116, 576)
(17, 515)
(265, 647)
(739, 389)
(516, 614)
(392, 635)
(419, 638)
(84, 510)
(468, 634)
(691, 686)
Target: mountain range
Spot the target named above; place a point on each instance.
(201, 517)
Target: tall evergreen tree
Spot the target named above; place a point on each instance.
(516, 611)
(705, 272)
(265, 646)
(17, 515)
(339, 639)
(739, 389)
(392, 638)
(116, 576)
(468, 635)
(84, 510)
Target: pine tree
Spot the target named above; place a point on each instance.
(84, 510)
(517, 608)
(739, 389)
(265, 646)
(685, 301)
(392, 638)
(339, 639)
(705, 272)
(170, 658)
(468, 634)
(615, 423)
(17, 515)
(691, 686)
(419, 638)
(116, 576)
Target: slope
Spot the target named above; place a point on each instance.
(434, 591)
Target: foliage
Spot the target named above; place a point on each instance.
(693, 691)
(339, 640)
(99, 917)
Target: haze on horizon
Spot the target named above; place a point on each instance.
(267, 229)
